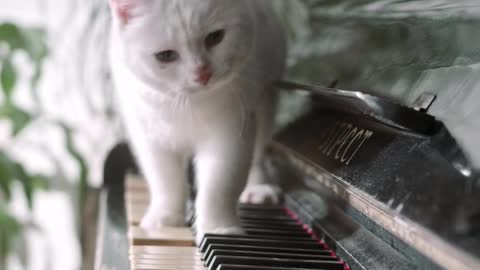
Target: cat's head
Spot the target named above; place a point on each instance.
(184, 46)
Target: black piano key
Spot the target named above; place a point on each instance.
(263, 215)
(263, 212)
(289, 233)
(259, 210)
(271, 255)
(274, 240)
(293, 231)
(313, 252)
(302, 244)
(267, 226)
(253, 267)
(257, 237)
(272, 218)
(260, 207)
(306, 264)
(267, 220)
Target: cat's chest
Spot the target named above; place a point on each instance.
(185, 124)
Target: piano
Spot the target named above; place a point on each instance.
(368, 183)
(371, 179)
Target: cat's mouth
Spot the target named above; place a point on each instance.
(213, 83)
(217, 81)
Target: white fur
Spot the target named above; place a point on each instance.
(171, 119)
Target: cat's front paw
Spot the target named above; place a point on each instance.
(233, 230)
(261, 194)
(156, 219)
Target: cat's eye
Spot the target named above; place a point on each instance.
(167, 56)
(214, 38)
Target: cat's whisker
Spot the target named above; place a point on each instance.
(173, 104)
(186, 109)
(180, 103)
(189, 108)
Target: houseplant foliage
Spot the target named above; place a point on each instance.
(31, 42)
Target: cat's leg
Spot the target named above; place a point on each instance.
(260, 189)
(221, 171)
(166, 174)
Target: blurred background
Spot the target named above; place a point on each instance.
(57, 119)
(56, 125)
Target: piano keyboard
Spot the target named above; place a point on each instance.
(274, 239)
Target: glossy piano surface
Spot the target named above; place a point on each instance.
(394, 166)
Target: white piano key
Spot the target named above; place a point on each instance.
(196, 262)
(135, 182)
(164, 237)
(137, 257)
(138, 206)
(135, 213)
(168, 267)
(135, 196)
(165, 249)
(162, 250)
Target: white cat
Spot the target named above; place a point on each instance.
(194, 83)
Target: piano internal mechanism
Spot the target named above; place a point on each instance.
(368, 184)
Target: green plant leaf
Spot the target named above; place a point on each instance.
(5, 182)
(8, 77)
(30, 40)
(10, 229)
(35, 44)
(6, 176)
(11, 170)
(10, 34)
(39, 182)
(18, 117)
(20, 120)
(30, 183)
(24, 178)
(82, 164)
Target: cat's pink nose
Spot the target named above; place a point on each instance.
(204, 74)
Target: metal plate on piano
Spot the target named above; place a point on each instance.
(393, 164)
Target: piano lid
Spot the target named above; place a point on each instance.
(396, 49)
(385, 110)
(401, 158)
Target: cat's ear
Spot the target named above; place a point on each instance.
(126, 10)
